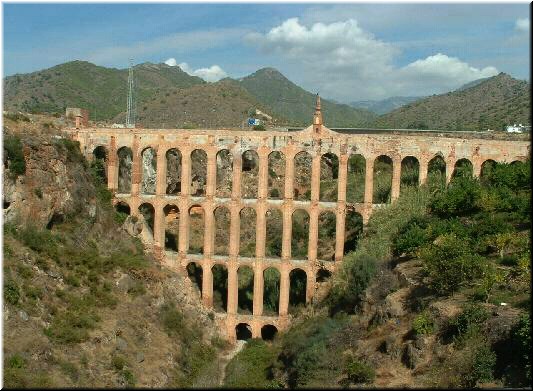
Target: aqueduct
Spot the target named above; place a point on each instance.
(198, 191)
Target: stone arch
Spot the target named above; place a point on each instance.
(355, 189)
(122, 207)
(222, 216)
(173, 157)
(322, 275)
(300, 234)
(436, 175)
(410, 172)
(220, 288)
(149, 170)
(125, 162)
(382, 180)
(248, 222)
(99, 163)
(198, 172)
(302, 176)
(353, 229)
(276, 175)
(243, 332)
(148, 212)
(298, 289)
(195, 274)
(463, 168)
(172, 227)
(196, 229)
(271, 286)
(245, 284)
(329, 177)
(224, 175)
(274, 233)
(486, 168)
(326, 236)
(268, 332)
(249, 174)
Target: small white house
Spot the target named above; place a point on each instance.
(515, 128)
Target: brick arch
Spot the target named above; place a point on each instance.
(383, 171)
(297, 287)
(147, 210)
(196, 215)
(249, 174)
(245, 287)
(125, 169)
(276, 175)
(224, 173)
(173, 158)
(222, 220)
(195, 272)
(410, 171)
(198, 172)
(148, 169)
(300, 233)
(329, 177)
(247, 241)
(268, 332)
(172, 216)
(302, 175)
(463, 167)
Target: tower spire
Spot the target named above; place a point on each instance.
(317, 117)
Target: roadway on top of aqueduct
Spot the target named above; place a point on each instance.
(317, 141)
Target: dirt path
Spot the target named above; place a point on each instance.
(224, 360)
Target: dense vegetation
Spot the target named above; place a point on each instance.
(472, 241)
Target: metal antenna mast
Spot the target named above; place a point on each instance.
(130, 115)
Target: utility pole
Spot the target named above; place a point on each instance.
(130, 115)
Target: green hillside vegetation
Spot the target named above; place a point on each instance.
(471, 240)
(490, 104)
(287, 100)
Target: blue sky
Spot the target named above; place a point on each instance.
(345, 51)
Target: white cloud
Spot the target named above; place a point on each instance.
(522, 25)
(347, 63)
(211, 74)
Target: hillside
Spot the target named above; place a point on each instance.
(288, 100)
(101, 90)
(384, 106)
(491, 104)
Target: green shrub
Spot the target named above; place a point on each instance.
(358, 372)
(522, 334)
(38, 192)
(459, 198)
(470, 320)
(16, 361)
(118, 362)
(482, 369)
(15, 155)
(17, 117)
(129, 378)
(423, 324)
(171, 318)
(11, 292)
(411, 236)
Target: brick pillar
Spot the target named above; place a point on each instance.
(262, 191)
(161, 182)
(207, 284)
(185, 171)
(289, 176)
(235, 232)
(287, 230)
(284, 289)
(312, 243)
(136, 167)
(260, 229)
(258, 289)
(342, 178)
(233, 291)
(369, 179)
(476, 167)
(112, 166)
(396, 175)
(209, 232)
(310, 285)
(315, 178)
(340, 222)
(450, 166)
(422, 170)
(211, 172)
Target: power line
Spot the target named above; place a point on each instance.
(130, 115)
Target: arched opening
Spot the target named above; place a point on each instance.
(436, 176)
(99, 165)
(329, 177)
(198, 172)
(194, 271)
(147, 212)
(353, 229)
(326, 236)
(410, 170)
(173, 157)
(224, 178)
(222, 230)
(125, 161)
(302, 176)
(274, 233)
(300, 234)
(276, 175)
(220, 288)
(172, 227)
(271, 281)
(196, 229)
(382, 180)
(355, 188)
(463, 168)
(250, 174)
(268, 332)
(298, 286)
(247, 232)
(122, 208)
(486, 170)
(243, 332)
(245, 282)
(149, 170)
(322, 275)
